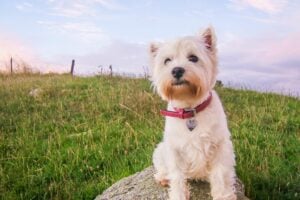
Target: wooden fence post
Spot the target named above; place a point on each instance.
(101, 69)
(110, 68)
(11, 65)
(72, 67)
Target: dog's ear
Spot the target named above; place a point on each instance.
(153, 48)
(209, 39)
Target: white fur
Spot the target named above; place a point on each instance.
(206, 152)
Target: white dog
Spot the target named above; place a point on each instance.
(196, 143)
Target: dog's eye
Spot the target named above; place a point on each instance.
(167, 60)
(193, 58)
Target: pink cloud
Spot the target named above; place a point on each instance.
(271, 48)
(23, 55)
(284, 48)
(13, 47)
(269, 62)
(268, 6)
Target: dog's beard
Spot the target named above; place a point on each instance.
(188, 88)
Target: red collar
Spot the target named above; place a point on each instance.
(187, 113)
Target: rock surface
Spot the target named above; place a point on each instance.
(141, 186)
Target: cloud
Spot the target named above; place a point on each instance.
(23, 56)
(79, 8)
(75, 9)
(267, 6)
(262, 20)
(25, 6)
(267, 63)
(12, 47)
(267, 49)
(87, 31)
(125, 57)
(110, 4)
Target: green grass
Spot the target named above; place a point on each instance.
(80, 135)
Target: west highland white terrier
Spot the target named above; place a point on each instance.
(196, 142)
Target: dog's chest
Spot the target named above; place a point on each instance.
(191, 129)
(196, 155)
(195, 148)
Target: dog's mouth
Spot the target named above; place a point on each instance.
(180, 82)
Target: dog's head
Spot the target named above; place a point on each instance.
(184, 69)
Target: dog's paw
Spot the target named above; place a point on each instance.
(164, 182)
(161, 179)
(180, 195)
(187, 194)
(227, 197)
(179, 198)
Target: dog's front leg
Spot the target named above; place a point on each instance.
(178, 187)
(222, 175)
(178, 184)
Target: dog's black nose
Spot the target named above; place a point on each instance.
(177, 72)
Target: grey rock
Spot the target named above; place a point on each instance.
(141, 186)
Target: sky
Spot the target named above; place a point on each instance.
(258, 40)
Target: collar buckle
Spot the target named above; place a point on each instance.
(192, 110)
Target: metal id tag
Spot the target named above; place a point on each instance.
(191, 123)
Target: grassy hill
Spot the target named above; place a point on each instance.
(73, 137)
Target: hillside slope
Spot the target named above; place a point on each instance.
(73, 137)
